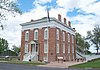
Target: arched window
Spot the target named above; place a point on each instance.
(46, 33)
(57, 34)
(68, 37)
(63, 36)
(36, 35)
(26, 35)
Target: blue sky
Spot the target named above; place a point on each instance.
(25, 5)
(83, 14)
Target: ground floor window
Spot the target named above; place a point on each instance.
(26, 48)
(57, 48)
(68, 48)
(69, 58)
(63, 47)
(73, 57)
(45, 58)
(72, 48)
(45, 47)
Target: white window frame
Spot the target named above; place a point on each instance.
(36, 35)
(45, 58)
(68, 48)
(69, 57)
(63, 47)
(57, 34)
(73, 39)
(72, 48)
(26, 48)
(68, 37)
(57, 48)
(73, 57)
(45, 47)
(46, 33)
(63, 36)
(26, 35)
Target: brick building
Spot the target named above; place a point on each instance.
(46, 41)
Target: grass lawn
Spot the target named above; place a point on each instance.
(91, 64)
(22, 62)
(25, 62)
(15, 61)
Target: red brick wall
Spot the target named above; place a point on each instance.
(41, 43)
(52, 44)
(23, 43)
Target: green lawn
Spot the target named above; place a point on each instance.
(25, 62)
(90, 64)
(15, 61)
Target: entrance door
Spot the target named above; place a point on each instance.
(34, 52)
(33, 48)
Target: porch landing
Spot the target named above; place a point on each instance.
(60, 64)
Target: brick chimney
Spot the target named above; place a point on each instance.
(64, 20)
(59, 17)
(69, 23)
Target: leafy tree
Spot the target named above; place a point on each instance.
(94, 37)
(87, 45)
(3, 45)
(80, 41)
(8, 7)
(16, 49)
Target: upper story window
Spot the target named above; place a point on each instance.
(26, 35)
(46, 33)
(26, 48)
(68, 37)
(57, 48)
(57, 34)
(36, 35)
(63, 36)
(72, 38)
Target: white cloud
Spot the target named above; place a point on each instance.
(84, 22)
(90, 7)
(68, 4)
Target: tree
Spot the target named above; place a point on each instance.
(87, 45)
(8, 7)
(3, 45)
(16, 49)
(94, 37)
(80, 41)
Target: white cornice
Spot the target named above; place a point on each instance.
(43, 23)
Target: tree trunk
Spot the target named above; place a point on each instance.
(97, 51)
